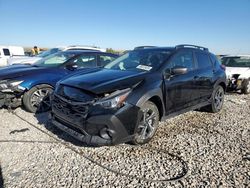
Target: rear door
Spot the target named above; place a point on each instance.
(204, 77)
(179, 88)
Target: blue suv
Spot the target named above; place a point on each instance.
(31, 85)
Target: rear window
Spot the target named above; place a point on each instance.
(6, 52)
(203, 60)
(215, 61)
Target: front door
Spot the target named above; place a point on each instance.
(179, 89)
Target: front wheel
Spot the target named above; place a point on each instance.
(148, 124)
(37, 98)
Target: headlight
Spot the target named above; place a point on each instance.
(6, 85)
(115, 99)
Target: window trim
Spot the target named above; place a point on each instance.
(196, 60)
(6, 49)
(180, 51)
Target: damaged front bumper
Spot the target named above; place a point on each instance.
(234, 83)
(94, 125)
(11, 98)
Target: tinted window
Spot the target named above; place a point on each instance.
(215, 60)
(6, 52)
(203, 60)
(54, 60)
(184, 58)
(140, 60)
(105, 59)
(85, 61)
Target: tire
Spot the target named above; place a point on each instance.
(147, 126)
(36, 100)
(245, 86)
(217, 100)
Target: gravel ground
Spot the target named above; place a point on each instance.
(214, 150)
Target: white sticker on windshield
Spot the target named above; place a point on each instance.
(144, 67)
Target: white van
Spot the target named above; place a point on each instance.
(10, 51)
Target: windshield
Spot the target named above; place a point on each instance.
(48, 52)
(140, 60)
(55, 59)
(236, 61)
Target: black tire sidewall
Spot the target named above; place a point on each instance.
(245, 86)
(213, 108)
(152, 106)
(27, 97)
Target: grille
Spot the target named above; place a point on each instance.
(69, 109)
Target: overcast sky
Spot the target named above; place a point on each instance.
(221, 25)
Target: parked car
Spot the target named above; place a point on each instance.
(33, 59)
(238, 72)
(125, 100)
(7, 52)
(31, 84)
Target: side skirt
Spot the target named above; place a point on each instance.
(185, 110)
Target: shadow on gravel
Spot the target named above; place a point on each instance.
(44, 119)
(1, 177)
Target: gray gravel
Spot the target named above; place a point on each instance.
(216, 148)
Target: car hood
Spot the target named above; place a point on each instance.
(14, 71)
(244, 71)
(100, 81)
(23, 60)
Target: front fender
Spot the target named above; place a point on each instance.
(30, 84)
(152, 93)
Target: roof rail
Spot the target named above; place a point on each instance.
(191, 46)
(143, 47)
(91, 46)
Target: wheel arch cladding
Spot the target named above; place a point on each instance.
(40, 85)
(223, 85)
(157, 101)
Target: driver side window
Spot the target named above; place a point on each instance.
(85, 61)
(183, 59)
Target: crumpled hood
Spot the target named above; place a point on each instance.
(14, 71)
(23, 60)
(100, 81)
(244, 72)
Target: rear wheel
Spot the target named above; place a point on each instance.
(245, 87)
(217, 99)
(148, 124)
(37, 98)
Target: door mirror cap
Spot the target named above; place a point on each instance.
(178, 70)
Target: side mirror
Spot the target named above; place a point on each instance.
(178, 70)
(167, 73)
(71, 66)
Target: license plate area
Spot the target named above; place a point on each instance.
(69, 131)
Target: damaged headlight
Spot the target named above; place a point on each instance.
(7, 85)
(115, 99)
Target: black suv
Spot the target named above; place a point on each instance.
(125, 100)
